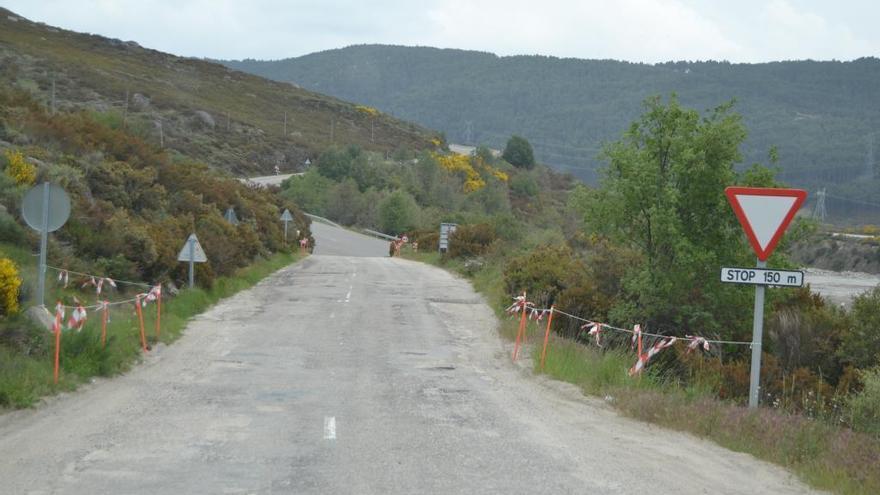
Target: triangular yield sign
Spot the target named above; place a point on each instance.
(198, 254)
(764, 214)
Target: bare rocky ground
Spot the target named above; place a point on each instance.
(840, 287)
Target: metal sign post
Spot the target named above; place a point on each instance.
(764, 214)
(757, 339)
(286, 217)
(45, 208)
(44, 241)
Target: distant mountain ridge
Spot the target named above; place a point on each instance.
(824, 117)
(231, 120)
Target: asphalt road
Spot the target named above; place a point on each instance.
(341, 242)
(269, 180)
(840, 287)
(352, 375)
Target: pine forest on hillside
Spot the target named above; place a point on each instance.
(813, 113)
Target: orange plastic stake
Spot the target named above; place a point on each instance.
(104, 316)
(137, 303)
(57, 343)
(522, 327)
(640, 344)
(158, 312)
(547, 336)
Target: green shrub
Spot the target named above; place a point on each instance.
(865, 406)
(471, 240)
(429, 240)
(543, 273)
(10, 230)
(860, 344)
(398, 213)
(523, 185)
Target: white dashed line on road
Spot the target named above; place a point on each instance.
(329, 427)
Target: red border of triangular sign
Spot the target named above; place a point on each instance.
(800, 196)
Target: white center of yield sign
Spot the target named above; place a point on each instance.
(765, 214)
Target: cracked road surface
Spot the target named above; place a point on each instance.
(352, 375)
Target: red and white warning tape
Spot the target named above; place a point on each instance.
(646, 356)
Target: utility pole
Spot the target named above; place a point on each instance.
(53, 94)
(468, 132)
(819, 212)
(125, 109)
(161, 133)
(372, 130)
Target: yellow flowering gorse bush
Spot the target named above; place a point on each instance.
(10, 284)
(19, 169)
(470, 168)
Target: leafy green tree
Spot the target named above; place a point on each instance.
(398, 213)
(337, 163)
(344, 202)
(518, 152)
(308, 191)
(663, 196)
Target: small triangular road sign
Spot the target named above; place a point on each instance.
(230, 216)
(286, 216)
(192, 251)
(764, 214)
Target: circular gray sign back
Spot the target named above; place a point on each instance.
(32, 207)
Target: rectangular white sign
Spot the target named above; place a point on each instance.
(763, 276)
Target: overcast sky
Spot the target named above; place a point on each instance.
(634, 30)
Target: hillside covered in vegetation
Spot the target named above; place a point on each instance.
(822, 117)
(233, 121)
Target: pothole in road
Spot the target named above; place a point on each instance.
(447, 367)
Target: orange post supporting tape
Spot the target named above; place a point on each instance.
(158, 313)
(547, 336)
(57, 345)
(522, 326)
(104, 317)
(137, 304)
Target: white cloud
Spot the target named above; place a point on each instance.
(638, 30)
(790, 30)
(635, 30)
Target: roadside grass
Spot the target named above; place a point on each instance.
(825, 456)
(26, 351)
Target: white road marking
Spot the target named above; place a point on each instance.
(329, 427)
(348, 296)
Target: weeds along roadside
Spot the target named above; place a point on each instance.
(26, 360)
(824, 455)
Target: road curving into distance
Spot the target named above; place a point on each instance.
(352, 375)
